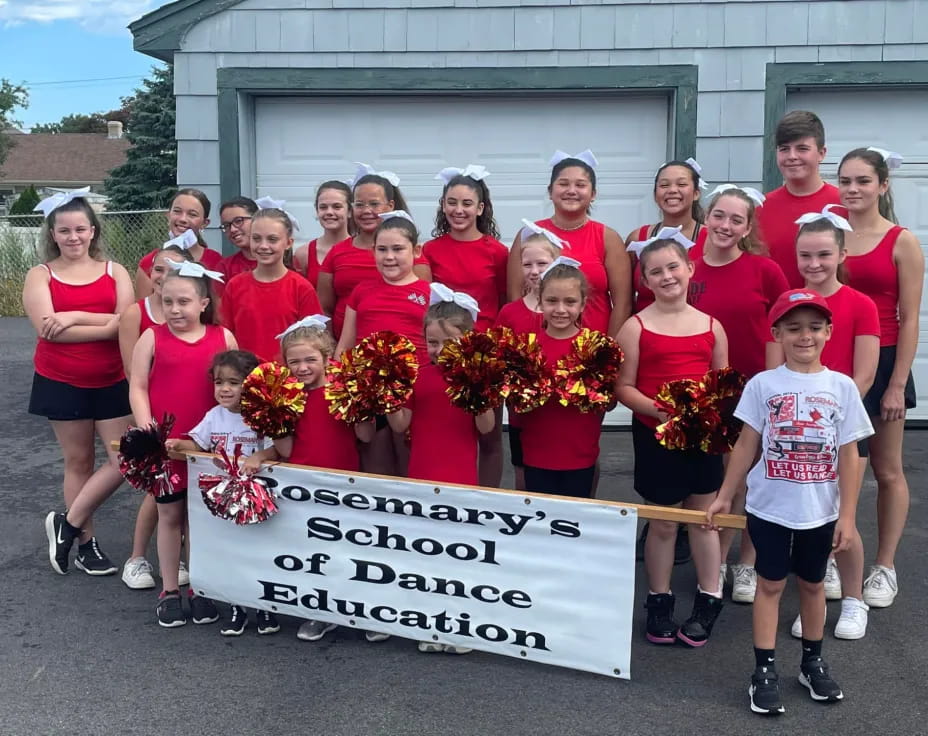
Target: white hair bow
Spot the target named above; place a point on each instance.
(396, 213)
(698, 169)
(441, 293)
(185, 241)
(665, 233)
(586, 156)
(536, 229)
(269, 203)
(195, 270)
(365, 169)
(317, 321)
(50, 204)
(893, 160)
(561, 261)
(755, 196)
(473, 171)
(826, 214)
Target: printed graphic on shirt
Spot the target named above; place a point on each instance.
(417, 298)
(802, 438)
(226, 441)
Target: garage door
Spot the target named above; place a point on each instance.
(888, 119)
(301, 142)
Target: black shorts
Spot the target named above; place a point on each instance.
(172, 497)
(515, 446)
(666, 477)
(60, 402)
(781, 550)
(863, 447)
(884, 371)
(576, 483)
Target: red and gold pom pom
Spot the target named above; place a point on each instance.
(586, 376)
(724, 387)
(530, 382)
(374, 378)
(475, 373)
(144, 461)
(272, 400)
(236, 496)
(685, 402)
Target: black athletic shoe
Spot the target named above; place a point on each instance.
(61, 536)
(681, 548)
(661, 628)
(765, 692)
(203, 610)
(237, 622)
(170, 610)
(92, 560)
(267, 623)
(813, 674)
(696, 629)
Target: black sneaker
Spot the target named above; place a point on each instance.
(203, 610)
(92, 560)
(170, 610)
(813, 674)
(61, 536)
(696, 629)
(237, 622)
(765, 692)
(661, 628)
(267, 622)
(681, 548)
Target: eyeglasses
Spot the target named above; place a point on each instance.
(368, 205)
(236, 223)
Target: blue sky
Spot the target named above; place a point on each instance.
(75, 56)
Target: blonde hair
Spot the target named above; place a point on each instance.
(315, 337)
(750, 243)
(539, 239)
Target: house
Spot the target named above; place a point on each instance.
(275, 96)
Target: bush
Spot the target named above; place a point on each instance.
(25, 205)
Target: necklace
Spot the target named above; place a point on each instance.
(568, 229)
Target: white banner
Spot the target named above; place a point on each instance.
(537, 578)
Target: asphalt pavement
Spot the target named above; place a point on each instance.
(82, 655)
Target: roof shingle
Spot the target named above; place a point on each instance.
(40, 158)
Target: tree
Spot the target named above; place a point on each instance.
(149, 177)
(95, 122)
(11, 97)
(25, 205)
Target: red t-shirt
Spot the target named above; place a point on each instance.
(588, 245)
(875, 275)
(519, 318)
(94, 364)
(383, 306)
(776, 220)
(739, 295)
(444, 438)
(475, 267)
(349, 266)
(320, 439)
(210, 259)
(237, 263)
(257, 311)
(643, 295)
(852, 314)
(556, 437)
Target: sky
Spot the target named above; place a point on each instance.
(74, 56)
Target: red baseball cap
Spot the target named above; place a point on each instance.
(790, 300)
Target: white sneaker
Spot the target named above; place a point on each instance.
(853, 621)
(183, 577)
(313, 630)
(136, 574)
(744, 583)
(796, 628)
(832, 581)
(723, 573)
(375, 636)
(430, 647)
(880, 587)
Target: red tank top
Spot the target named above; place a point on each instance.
(83, 364)
(147, 320)
(312, 264)
(664, 358)
(643, 295)
(875, 274)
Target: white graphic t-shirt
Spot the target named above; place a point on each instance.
(221, 428)
(803, 419)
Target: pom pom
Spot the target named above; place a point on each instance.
(475, 373)
(724, 388)
(586, 376)
(373, 378)
(236, 496)
(272, 400)
(685, 402)
(530, 381)
(144, 461)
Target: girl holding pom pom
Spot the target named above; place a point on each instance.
(667, 341)
(171, 375)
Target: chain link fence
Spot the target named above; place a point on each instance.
(127, 236)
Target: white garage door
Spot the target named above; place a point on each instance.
(890, 119)
(301, 142)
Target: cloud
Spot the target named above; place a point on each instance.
(99, 16)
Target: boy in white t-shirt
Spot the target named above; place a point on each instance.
(805, 420)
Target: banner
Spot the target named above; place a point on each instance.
(523, 575)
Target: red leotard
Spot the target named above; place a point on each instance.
(320, 439)
(664, 358)
(643, 295)
(146, 320)
(210, 259)
(874, 274)
(444, 438)
(475, 267)
(383, 306)
(235, 264)
(95, 364)
(852, 314)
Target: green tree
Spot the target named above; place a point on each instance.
(25, 205)
(11, 97)
(77, 123)
(149, 177)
